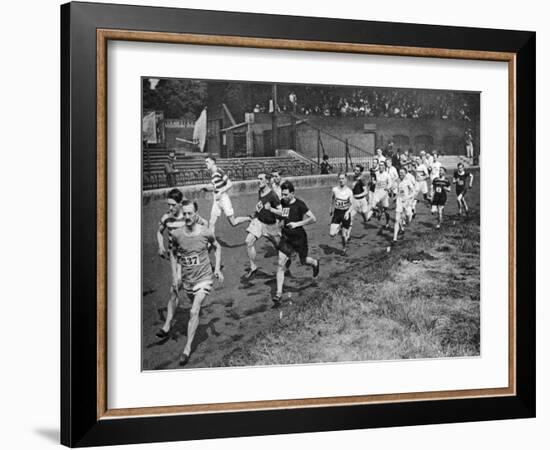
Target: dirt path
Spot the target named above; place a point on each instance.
(237, 310)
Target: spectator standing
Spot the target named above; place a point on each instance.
(469, 140)
(170, 170)
(396, 159)
(325, 166)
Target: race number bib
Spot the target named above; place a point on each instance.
(461, 182)
(189, 261)
(342, 204)
(438, 189)
(285, 212)
(259, 206)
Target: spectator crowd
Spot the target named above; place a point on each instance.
(378, 102)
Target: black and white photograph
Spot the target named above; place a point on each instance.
(307, 223)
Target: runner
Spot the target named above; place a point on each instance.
(264, 222)
(221, 202)
(463, 181)
(440, 187)
(171, 221)
(405, 158)
(382, 188)
(403, 202)
(372, 185)
(340, 210)
(191, 251)
(360, 193)
(410, 174)
(428, 158)
(296, 215)
(433, 169)
(421, 171)
(276, 183)
(380, 155)
(394, 177)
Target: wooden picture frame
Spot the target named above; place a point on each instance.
(86, 419)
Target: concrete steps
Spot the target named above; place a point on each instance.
(193, 170)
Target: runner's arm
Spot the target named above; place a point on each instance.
(471, 179)
(218, 255)
(308, 218)
(411, 190)
(202, 221)
(365, 189)
(278, 211)
(160, 240)
(228, 185)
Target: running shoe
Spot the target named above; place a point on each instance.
(161, 334)
(316, 269)
(184, 359)
(250, 274)
(277, 299)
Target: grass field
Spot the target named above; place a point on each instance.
(419, 300)
(422, 301)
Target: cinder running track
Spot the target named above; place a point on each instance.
(238, 309)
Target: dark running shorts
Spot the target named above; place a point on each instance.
(461, 190)
(439, 199)
(338, 217)
(294, 242)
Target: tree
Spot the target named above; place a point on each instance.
(177, 98)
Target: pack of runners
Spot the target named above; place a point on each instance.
(282, 218)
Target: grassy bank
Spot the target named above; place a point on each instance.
(420, 300)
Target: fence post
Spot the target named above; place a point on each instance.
(274, 126)
(347, 153)
(293, 131)
(318, 147)
(148, 154)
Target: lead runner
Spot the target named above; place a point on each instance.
(191, 244)
(170, 222)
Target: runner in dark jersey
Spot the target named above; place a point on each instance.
(440, 186)
(463, 181)
(264, 221)
(295, 215)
